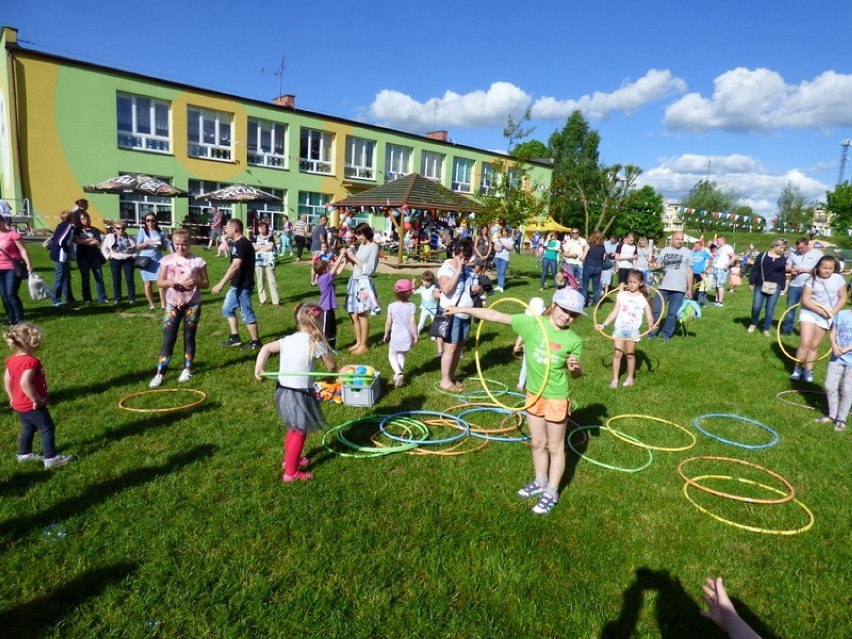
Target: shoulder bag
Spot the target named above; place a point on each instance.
(767, 288)
(19, 266)
(441, 325)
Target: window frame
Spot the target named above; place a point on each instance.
(133, 207)
(359, 168)
(458, 183)
(396, 156)
(324, 152)
(222, 149)
(259, 157)
(438, 159)
(135, 140)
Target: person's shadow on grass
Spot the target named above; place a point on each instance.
(676, 613)
(593, 414)
(35, 618)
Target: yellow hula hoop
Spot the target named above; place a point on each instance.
(640, 444)
(650, 328)
(478, 429)
(122, 405)
(544, 381)
(791, 492)
(766, 531)
(781, 345)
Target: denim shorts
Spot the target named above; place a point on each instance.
(239, 298)
(459, 330)
(625, 333)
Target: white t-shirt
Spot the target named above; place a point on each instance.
(454, 299)
(724, 255)
(631, 310)
(294, 356)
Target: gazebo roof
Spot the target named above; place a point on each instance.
(414, 190)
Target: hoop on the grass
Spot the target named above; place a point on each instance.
(791, 492)
(489, 431)
(121, 403)
(636, 442)
(781, 345)
(766, 531)
(650, 328)
(545, 379)
(800, 392)
(583, 429)
(364, 451)
(775, 436)
(391, 419)
(488, 436)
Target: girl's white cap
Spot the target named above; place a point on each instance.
(536, 307)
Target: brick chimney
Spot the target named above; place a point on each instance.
(441, 136)
(285, 102)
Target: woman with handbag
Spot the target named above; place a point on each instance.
(15, 266)
(458, 285)
(361, 299)
(767, 280)
(149, 245)
(119, 250)
(89, 258)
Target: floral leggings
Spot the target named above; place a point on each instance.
(190, 315)
(838, 389)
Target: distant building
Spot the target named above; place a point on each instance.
(672, 220)
(66, 123)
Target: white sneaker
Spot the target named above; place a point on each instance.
(59, 460)
(185, 375)
(158, 379)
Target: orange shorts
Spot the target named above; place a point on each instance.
(553, 410)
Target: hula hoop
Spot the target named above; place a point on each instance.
(776, 437)
(547, 364)
(447, 452)
(781, 345)
(766, 531)
(622, 339)
(489, 431)
(122, 405)
(583, 429)
(790, 494)
(488, 436)
(314, 374)
(465, 394)
(801, 392)
(424, 441)
(640, 444)
(366, 451)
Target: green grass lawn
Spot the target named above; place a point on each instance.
(177, 524)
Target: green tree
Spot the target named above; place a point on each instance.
(577, 175)
(708, 196)
(513, 198)
(640, 211)
(532, 150)
(839, 205)
(792, 209)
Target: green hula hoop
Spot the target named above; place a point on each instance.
(601, 464)
(362, 451)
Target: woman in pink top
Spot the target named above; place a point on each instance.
(12, 249)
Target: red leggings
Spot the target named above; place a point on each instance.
(294, 442)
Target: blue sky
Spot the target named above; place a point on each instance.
(753, 93)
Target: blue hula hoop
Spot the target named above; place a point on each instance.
(462, 424)
(494, 438)
(775, 437)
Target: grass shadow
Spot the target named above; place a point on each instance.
(102, 491)
(19, 483)
(35, 618)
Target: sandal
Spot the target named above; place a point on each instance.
(839, 426)
(455, 388)
(824, 420)
(299, 476)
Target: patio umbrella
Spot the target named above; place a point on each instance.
(238, 193)
(136, 183)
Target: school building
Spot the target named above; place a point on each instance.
(66, 123)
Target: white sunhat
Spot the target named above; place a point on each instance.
(569, 299)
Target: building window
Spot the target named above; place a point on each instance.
(143, 123)
(315, 152)
(462, 175)
(359, 159)
(487, 184)
(209, 134)
(133, 207)
(432, 166)
(397, 161)
(271, 211)
(200, 209)
(267, 143)
(313, 205)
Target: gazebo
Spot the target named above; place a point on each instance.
(411, 192)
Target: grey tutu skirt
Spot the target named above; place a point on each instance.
(299, 409)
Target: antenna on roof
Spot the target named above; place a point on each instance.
(278, 73)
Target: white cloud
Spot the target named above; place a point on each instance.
(760, 101)
(474, 109)
(757, 187)
(653, 86)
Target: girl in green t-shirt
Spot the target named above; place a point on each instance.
(547, 417)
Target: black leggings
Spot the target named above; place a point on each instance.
(190, 314)
(300, 245)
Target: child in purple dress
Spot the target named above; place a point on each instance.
(400, 329)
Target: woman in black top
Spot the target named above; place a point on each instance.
(767, 280)
(593, 267)
(89, 258)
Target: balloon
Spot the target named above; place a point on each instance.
(396, 212)
(408, 226)
(404, 207)
(407, 218)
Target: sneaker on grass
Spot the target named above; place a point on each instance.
(57, 461)
(531, 490)
(185, 375)
(253, 345)
(232, 341)
(30, 457)
(156, 381)
(545, 504)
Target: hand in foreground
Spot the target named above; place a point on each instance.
(722, 611)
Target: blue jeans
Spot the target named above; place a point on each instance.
(674, 299)
(760, 301)
(501, 265)
(592, 274)
(62, 283)
(548, 265)
(239, 298)
(9, 285)
(91, 266)
(794, 296)
(37, 420)
(575, 269)
(116, 267)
